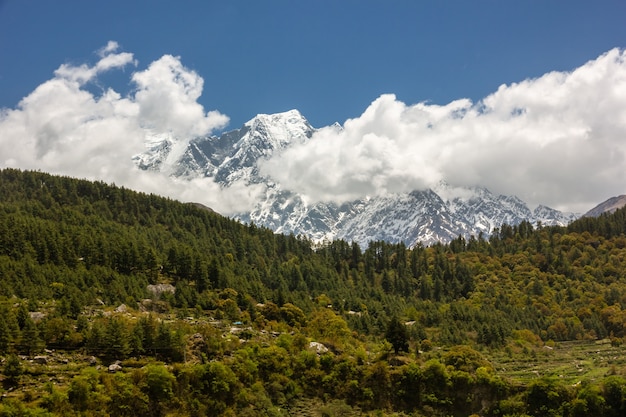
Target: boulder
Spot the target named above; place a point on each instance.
(318, 347)
(114, 367)
(122, 308)
(159, 289)
(41, 360)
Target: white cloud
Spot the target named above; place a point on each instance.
(558, 140)
(108, 60)
(110, 47)
(167, 96)
(63, 128)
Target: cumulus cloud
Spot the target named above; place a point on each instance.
(167, 97)
(558, 140)
(63, 128)
(108, 60)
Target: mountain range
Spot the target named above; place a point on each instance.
(421, 216)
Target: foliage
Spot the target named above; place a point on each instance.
(208, 316)
(13, 368)
(396, 334)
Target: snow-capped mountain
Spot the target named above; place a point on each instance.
(425, 216)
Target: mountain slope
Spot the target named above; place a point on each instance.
(251, 300)
(609, 206)
(420, 216)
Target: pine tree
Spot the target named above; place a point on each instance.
(117, 338)
(13, 369)
(31, 340)
(396, 334)
(5, 337)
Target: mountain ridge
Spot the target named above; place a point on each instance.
(607, 206)
(419, 216)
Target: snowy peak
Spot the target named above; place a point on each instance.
(285, 126)
(550, 217)
(267, 133)
(259, 138)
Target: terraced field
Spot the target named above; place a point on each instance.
(573, 361)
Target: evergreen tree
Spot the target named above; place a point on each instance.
(396, 334)
(117, 338)
(13, 369)
(5, 337)
(31, 341)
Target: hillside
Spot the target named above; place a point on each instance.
(122, 303)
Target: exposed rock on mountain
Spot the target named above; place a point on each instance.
(609, 206)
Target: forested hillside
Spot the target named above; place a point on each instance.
(121, 303)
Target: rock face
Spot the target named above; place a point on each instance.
(609, 206)
(421, 216)
(159, 289)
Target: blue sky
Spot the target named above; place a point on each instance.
(526, 98)
(329, 59)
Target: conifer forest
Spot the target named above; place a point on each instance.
(119, 303)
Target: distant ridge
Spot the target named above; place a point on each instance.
(202, 206)
(609, 206)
